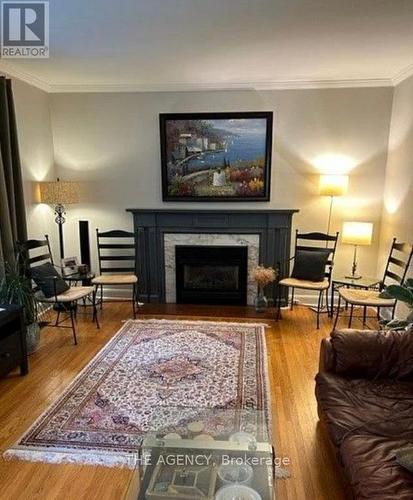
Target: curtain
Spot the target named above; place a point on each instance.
(12, 209)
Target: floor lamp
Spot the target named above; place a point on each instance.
(332, 186)
(59, 193)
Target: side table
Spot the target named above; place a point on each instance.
(85, 278)
(13, 350)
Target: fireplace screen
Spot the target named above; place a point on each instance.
(203, 277)
(211, 274)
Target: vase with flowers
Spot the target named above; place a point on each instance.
(263, 276)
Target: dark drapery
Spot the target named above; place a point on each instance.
(12, 210)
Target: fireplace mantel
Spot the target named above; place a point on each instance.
(150, 226)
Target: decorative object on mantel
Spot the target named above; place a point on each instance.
(216, 156)
(59, 193)
(263, 277)
(357, 233)
(332, 186)
(96, 422)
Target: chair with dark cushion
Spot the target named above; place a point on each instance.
(117, 262)
(313, 264)
(48, 285)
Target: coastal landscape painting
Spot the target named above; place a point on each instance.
(216, 156)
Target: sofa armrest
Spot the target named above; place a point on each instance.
(373, 354)
(327, 360)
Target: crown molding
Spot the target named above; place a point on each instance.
(299, 84)
(10, 71)
(194, 87)
(402, 75)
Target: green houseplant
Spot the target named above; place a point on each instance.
(403, 293)
(15, 288)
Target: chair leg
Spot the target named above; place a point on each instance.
(378, 314)
(393, 312)
(338, 312)
(95, 312)
(73, 323)
(278, 304)
(364, 315)
(328, 305)
(57, 318)
(133, 301)
(321, 294)
(101, 297)
(292, 298)
(351, 315)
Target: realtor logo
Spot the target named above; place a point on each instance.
(24, 30)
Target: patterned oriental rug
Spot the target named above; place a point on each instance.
(155, 376)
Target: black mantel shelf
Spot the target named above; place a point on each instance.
(150, 224)
(212, 211)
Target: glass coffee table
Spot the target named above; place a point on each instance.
(211, 454)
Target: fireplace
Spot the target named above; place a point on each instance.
(211, 274)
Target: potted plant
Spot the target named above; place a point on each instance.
(263, 276)
(15, 288)
(404, 293)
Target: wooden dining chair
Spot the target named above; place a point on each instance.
(312, 242)
(117, 255)
(397, 266)
(37, 261)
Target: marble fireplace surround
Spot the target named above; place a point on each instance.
(157, 231)
(171, 240)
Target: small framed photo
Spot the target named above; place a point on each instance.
(70, 266)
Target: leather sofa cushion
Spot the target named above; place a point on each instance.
(372, 469)
(372, 354)
(365, 407)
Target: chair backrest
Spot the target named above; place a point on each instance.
(32, 253)
(313, 242)
(116, 251)
(398, 263)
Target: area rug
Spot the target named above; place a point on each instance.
(156, 377)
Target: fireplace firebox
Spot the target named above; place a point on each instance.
(211, 274)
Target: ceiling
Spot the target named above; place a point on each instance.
(193, 44)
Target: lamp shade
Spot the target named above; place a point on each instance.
(333, 185)
(59, 192)
(357, 233)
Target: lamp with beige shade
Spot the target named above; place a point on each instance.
(357, 233)
(59, 193)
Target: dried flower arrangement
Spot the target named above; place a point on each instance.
(264, 275)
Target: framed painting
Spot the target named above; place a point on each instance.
(216, 156)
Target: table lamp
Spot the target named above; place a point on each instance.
(59, 193)
(357, 233)
(333, 185)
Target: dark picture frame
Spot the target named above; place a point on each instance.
(216, 157)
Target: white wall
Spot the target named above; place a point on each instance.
(110, 142)
(398, 193)
(36, 152)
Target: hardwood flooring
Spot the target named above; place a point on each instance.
(293, 346)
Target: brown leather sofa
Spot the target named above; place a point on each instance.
(364, 391)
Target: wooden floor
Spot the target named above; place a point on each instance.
(293, 346)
